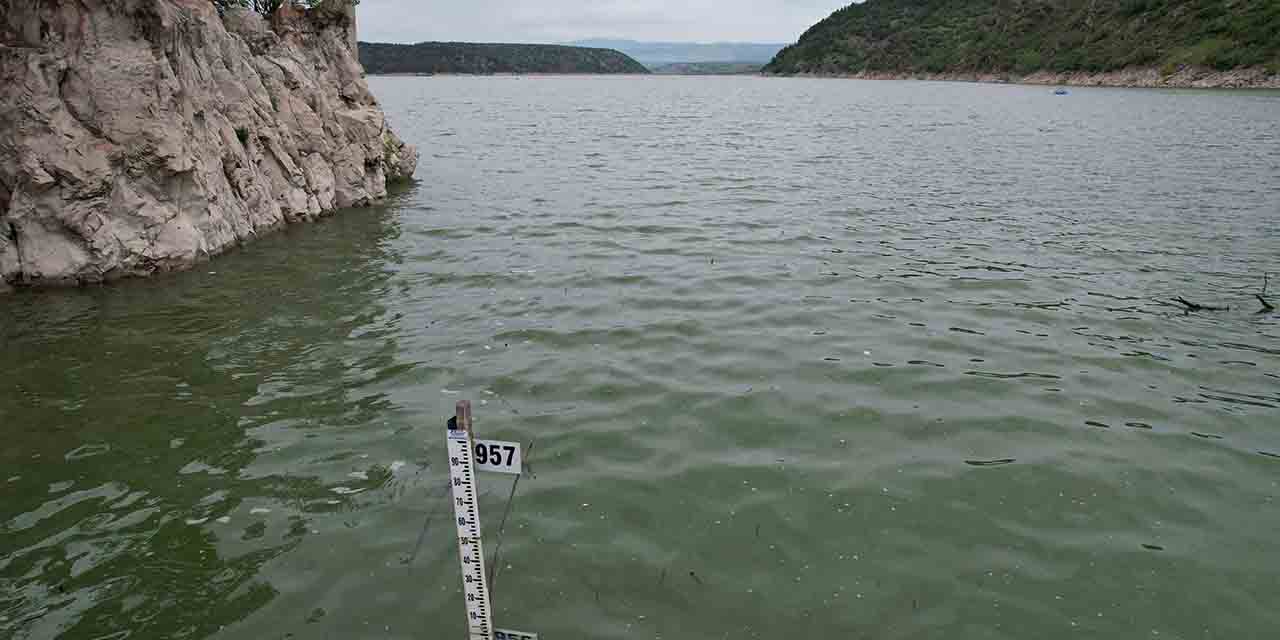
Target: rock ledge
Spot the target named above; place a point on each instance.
(139, 136)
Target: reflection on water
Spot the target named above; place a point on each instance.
(131, 505)
(802, 358)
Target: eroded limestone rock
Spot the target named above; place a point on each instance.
(147, 135)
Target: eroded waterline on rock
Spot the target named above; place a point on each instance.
(151, 135)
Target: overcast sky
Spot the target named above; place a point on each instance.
(565, 20)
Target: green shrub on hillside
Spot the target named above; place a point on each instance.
(268, 7)
(1023, 36)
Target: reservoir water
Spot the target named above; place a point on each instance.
(797, 359)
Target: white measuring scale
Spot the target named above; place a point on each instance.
(499, 457)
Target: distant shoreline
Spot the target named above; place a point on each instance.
(1138, 78)
(505, 74)
(569, 75)
(1192, 78)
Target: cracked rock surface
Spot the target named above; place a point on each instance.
(139, 136)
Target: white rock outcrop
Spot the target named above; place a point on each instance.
(139, 136)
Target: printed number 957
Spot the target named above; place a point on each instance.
(492, 454)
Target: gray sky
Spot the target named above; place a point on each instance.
(566, 20)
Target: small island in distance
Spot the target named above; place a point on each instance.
(1184, 43)
(426, 58)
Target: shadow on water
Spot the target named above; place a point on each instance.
(128, 416)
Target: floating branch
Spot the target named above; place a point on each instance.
(1262, 297)
(1191, 306)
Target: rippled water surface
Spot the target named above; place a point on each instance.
(801, 359)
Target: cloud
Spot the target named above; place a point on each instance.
(566, 20)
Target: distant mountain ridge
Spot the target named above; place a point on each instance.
(491, 58)
(1172, 39)
(654, 54)
(707, 68)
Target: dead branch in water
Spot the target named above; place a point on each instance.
(1267, 307)
(1191, 306)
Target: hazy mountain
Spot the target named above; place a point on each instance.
(653, 54)
(707, 68)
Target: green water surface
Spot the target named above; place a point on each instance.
(797, 358)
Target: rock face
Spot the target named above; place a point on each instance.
(139, 136)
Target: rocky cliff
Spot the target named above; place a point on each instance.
(139, 136)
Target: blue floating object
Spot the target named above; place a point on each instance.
(1061, 92)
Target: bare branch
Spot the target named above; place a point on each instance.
(1191, 306)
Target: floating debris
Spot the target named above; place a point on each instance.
(1191, 306)
(87, 451)
(1206, 436)
(990, 463)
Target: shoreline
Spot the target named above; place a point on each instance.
(1140, 78)
(505, 74)
(1137, 78)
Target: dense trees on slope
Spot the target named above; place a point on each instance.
(463, 57)
(1023, 36)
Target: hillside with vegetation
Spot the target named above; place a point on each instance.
(1024, 37)
(483, 59)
